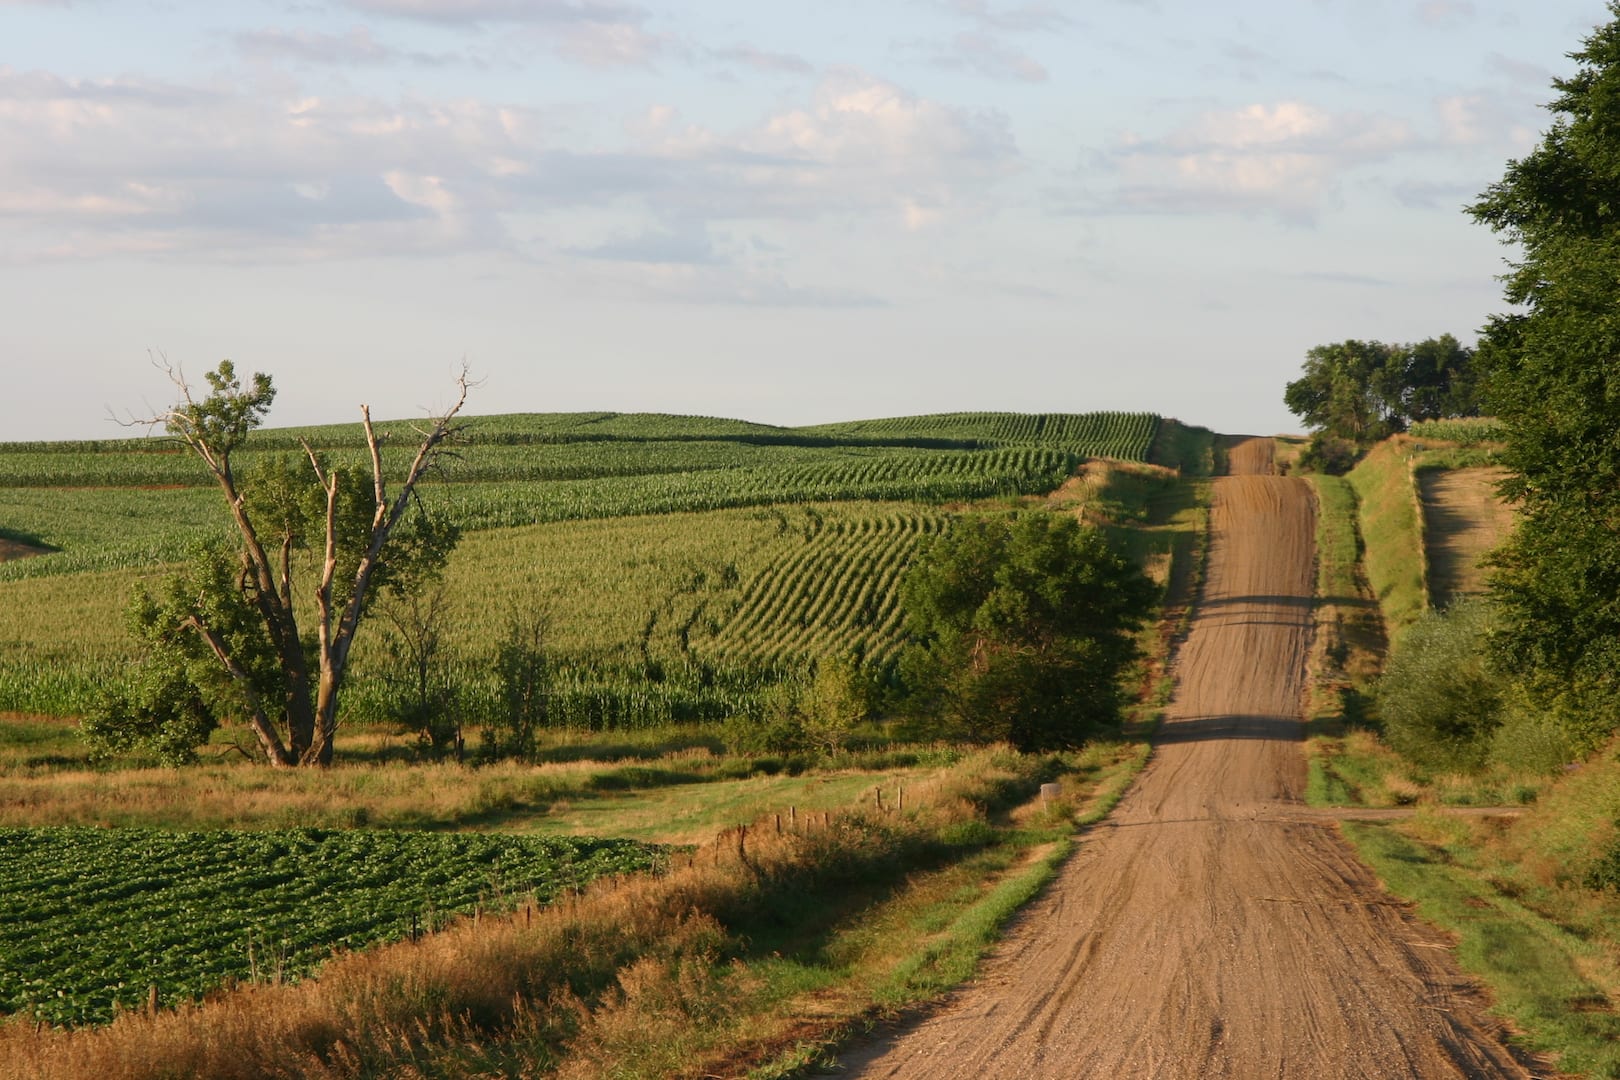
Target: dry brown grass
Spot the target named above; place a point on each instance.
(689, 795)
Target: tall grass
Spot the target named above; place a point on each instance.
(1392, 531)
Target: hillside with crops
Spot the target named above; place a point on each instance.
(683, 564)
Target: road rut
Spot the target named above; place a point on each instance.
(1201, 931)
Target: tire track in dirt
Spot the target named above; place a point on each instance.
(1202, 931)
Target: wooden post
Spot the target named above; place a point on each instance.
(899, 795)
(742, 841)
(151, 1000)
(879, 794)
(779, 824)
(793, 818)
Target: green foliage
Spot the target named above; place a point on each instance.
(819, 715)
(1439, 702)
(230, 624)
(523, 686)
(1555, 387)
(177, 691)
(1329, 454)
(223, 419)
(1022, 629)
(1357, 392)
(95, 915)
(838, 699)
(159, 711)
(1467, 432)
(421, 691)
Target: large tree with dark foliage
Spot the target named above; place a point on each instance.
(1353, 393)
(1555, 385)
(1022, 629)
(224, 638)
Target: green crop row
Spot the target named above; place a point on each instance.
(1103, 434)
(577, 446)
(95, 917)
(94, 529)
(1468, 431)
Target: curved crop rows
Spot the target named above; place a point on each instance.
(839, 592)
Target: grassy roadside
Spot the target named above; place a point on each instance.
(1513, 892)
(1553, 981)
(1346, 765)
(912, 951)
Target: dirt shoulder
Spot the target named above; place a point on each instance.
(1463, 519)
(1207, 928)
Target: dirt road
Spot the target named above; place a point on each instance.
(1201, 931)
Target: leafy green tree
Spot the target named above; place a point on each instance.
(223, 639)
(1353, 393)
(1022, 629)
(1440, 380)
(1555, 385)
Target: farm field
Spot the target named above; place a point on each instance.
(97, 917)
(685, 567)
(683, 564)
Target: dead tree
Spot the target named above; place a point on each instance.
(214, 427)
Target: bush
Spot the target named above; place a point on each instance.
(1530, 740)
(1440, 703)
(1329, 454)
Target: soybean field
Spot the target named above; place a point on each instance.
(97, 917)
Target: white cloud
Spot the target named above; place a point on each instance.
(762, 60)
(356, 47)
(1283, 159)
(220, 172)
(594, 33)
(479, 12)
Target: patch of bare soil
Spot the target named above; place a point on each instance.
(1208, 928)
(13, 549)
(1463, 520)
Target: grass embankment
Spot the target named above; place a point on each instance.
(1516, 893)
(756, 950)
(1391, 523)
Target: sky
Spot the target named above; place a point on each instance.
(785, 212)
